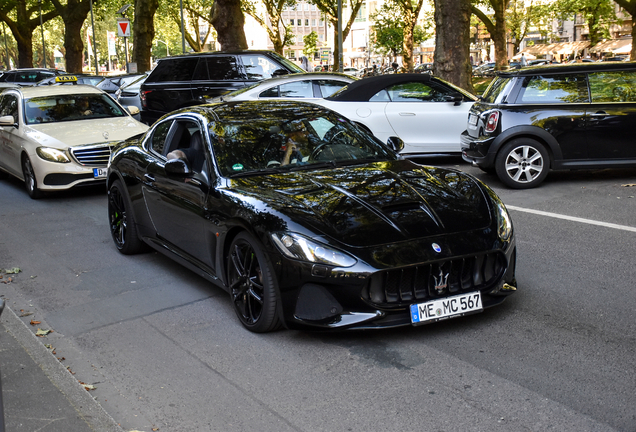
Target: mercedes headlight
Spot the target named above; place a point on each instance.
(301, 248)
(52, 154)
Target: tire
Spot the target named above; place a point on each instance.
(30, 181)
(522, 163)
(252, 285)
(121, 221)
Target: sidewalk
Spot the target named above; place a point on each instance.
(38, 392)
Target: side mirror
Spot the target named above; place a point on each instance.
(457, 98)
(279, 72)
(7, 121)
(395, 143)
(132, 109)
(177, 168)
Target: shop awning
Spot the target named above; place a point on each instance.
(613, 46)
(558, 48)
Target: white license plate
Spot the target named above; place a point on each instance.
(99, 173)
(472, 119)
(449, 307)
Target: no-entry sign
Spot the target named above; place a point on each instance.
(123, 28)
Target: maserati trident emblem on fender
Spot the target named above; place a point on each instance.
(441, 281)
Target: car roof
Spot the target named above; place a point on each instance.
(307, 75)
(569, 68)
(38, 91)
(362, 90)
(213, 53)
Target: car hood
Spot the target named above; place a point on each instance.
(80, 132)
(374, 204)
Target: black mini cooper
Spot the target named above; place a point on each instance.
(570, 116)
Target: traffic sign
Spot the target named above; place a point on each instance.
(123, 27)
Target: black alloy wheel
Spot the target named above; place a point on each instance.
(122, 221)
(30, 181)
(252, 285)
(522, 163)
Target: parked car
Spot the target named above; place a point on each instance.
(60, 137)
(28, 76)
(128, 95)
(351, 71)
(194, 79)
(306, 86)
(343, 234)
(553, 117)
(427, 113)
(113, 83)
(67, 79)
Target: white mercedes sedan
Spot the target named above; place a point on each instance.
(427, 113)
(56, 138)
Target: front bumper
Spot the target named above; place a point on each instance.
(345, 300)
(57, 176)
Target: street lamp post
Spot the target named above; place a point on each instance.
(94, 41)
(42, 28)
(182, 29)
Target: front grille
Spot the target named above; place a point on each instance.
(400, 287)
(96, 155)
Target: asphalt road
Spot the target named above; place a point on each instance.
(165, 351)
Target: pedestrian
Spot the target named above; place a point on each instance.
(524, 60)
(304, 63)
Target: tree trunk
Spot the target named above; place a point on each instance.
(407, 44)
(144, 29)
(452, 42)
(499, 36)
(228, 21)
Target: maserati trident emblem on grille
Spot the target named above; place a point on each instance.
(437, 248)
(105, 134)
(441, 281)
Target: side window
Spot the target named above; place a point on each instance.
(329, 87)
(381, 96)
(298, 89)
(158, 140)
(9, 106)
(178, 69)
(554, 89)
(416, 92)
(217, 68)
(258, 67)
(617, 86)
(269, 93)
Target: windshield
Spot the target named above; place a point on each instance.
(61, 108)
(278, 144)
(288, 63)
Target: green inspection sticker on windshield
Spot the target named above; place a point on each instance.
(237, 167)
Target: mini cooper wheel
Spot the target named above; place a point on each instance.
(522, 163)
(122, 221)
(30, 181)
(252, 286)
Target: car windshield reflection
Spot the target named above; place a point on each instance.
(276, 144)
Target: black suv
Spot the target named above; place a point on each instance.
(28, 76)
(194, 79)
(571, 116)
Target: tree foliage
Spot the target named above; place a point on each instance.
(630, 7)
(597, 14)
(330, 9)
(280, 34)
(311, 44)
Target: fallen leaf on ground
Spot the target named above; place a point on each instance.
(629, 185)
(14, 270)
(34, 322)
(42, 333)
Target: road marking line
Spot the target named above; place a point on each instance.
(574, 219)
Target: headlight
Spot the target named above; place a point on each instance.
(52, 154)
(301, 248)
(504, 222)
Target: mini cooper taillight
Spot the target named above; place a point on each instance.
(491, 121)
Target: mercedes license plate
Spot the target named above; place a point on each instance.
(444, 308)
(472, 119)
(99, 173)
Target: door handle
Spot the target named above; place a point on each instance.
(149, 178)
(599, 114)
(407, 114)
